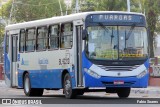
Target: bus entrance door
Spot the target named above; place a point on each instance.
(14, 50)
(79, 76)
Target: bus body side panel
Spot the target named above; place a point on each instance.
(7, 62)
(44, 70)
(7, 68)
(44, 78)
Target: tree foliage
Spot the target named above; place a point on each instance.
(152, 15)
(101, 5)
(27, 10)
(5, 10)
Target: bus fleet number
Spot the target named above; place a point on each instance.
(64, 61)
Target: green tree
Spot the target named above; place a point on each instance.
(101, 5)
(112, 5)
(152, 15)
(27, 10)
(2, 20)
(5, 10)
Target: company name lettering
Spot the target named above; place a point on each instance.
(43, 61)
(116, 17)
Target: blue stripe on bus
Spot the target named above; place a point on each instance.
(85, 62)
(133, 82)
(7, 66)
(146, 64)
(44, 78)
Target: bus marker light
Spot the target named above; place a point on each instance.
(142, 74)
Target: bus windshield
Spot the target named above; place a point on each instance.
(116, 42)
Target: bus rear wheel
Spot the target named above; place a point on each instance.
(31, 91)
(67, 87)
(123, 92)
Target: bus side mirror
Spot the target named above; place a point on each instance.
(84, 34)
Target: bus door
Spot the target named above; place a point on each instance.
(78, 51)
(14, 52)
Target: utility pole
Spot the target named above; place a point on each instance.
(60, 8)
(11, 12)
(140, 6)
(128, 6)
(77, 6)
(67, 7)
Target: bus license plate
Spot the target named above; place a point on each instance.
(118, 82)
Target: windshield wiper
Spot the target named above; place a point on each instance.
(130, 31)
(104, 27)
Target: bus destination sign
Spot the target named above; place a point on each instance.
(121, 18)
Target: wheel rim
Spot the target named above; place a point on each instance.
(67, 87)
(27, 85)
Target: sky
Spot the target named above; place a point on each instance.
(3, 2)
(68, 2)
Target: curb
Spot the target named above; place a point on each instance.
(149, 90)
(2, 83)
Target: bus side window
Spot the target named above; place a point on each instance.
(42, 38)
(66, 35)
(22, 41)
(30, 39)
(54, 37)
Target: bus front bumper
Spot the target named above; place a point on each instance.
(132, 82)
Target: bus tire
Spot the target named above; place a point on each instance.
(31, 91)
(67, 87)
(123, 92)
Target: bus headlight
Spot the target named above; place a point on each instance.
(92, 73)
(142, 74)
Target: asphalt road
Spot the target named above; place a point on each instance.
(88, 99)
(56, 97)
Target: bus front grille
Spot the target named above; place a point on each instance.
(112, 83)
(118, 68)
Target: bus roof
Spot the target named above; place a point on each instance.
(59, 19)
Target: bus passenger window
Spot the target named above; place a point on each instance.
(54, 37)
(66, 35)
(42, 38)
(22, 41)
(30, 39)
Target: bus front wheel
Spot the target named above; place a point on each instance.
(31, 91)
(67, 87)
(123, 92)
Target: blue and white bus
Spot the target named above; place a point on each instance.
(83, 52)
